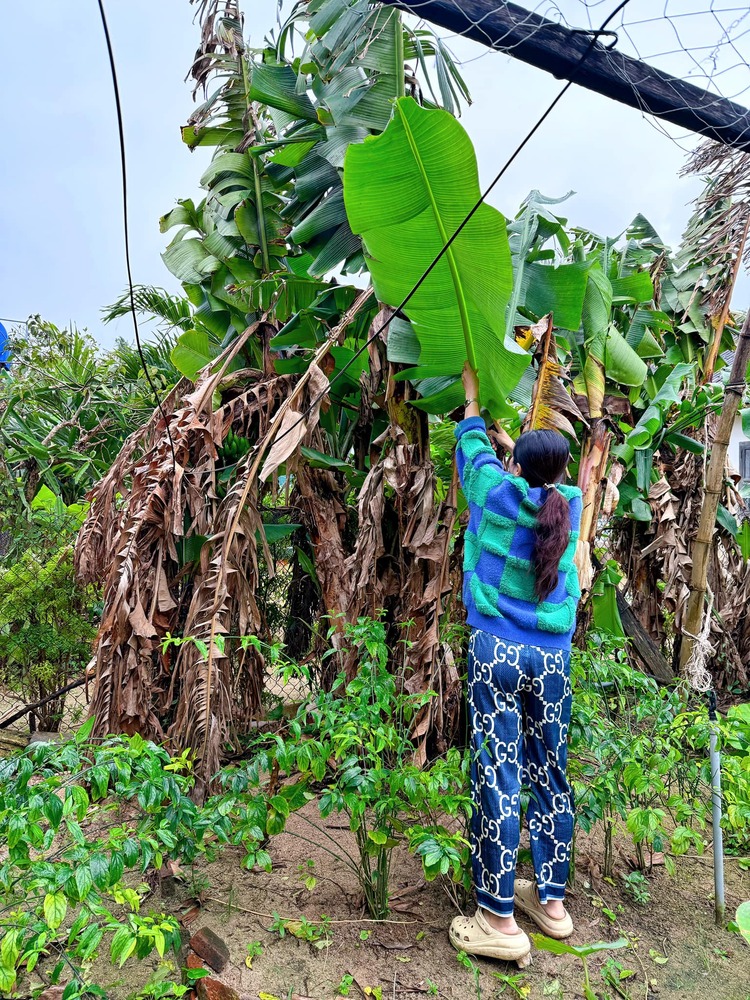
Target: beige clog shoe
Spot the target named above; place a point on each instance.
(476, 936)
(527, 900)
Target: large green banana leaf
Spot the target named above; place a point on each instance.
(652, 419)
(406, 192)
(607, 354)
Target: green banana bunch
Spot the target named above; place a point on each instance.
(234, 448)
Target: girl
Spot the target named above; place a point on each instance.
(521, 593)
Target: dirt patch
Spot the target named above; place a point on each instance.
(410, 957)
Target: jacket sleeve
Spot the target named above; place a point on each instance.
(479, 468)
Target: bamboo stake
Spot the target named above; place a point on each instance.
(714, 487)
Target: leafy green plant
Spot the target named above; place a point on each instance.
(159, 985)
(319, 935)
(69, 406)
(47, 620)
(306, 870)
(254, 950)
(65, 891)
(344, 987)
(633, 761)
(354, 740)
(636, 886)
(735, 777)
(401, 188)
(582, 952)
(472, 968)
(616, 975)
(516, 984)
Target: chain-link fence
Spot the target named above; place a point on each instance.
(47, 621)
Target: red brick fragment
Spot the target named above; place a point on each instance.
(211, 948)
(212, 989)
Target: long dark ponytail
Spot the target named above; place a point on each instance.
(543, 457)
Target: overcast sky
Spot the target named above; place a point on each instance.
(60, 221)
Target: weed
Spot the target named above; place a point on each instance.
(463, 959)
(306, 871)
(157, 988)
(345, 985)
(581, 952)
(318, 935)
(254, 950)
(636, 886)
(200, 883)
(616, 975)
(516, 983)
(432, 988)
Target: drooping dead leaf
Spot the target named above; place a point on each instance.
(291, 434)
(551, 403)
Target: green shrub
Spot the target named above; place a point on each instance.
(633, 764)
(47, 621)
(71, 885)
(353, 745)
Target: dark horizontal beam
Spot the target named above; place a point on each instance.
(540, 42)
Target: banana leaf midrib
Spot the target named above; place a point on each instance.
(449, 254)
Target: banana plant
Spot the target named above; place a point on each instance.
(273, 225)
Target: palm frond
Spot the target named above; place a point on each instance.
(154, 303)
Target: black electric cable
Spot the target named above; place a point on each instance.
(121, 131)
(529, 135)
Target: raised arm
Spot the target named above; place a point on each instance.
(479, 468)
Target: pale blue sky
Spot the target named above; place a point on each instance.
(60, 222)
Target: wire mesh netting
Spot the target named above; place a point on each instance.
(288, 600)
(47, 623)
(704, 44)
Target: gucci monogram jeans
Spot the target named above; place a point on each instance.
(519, 710)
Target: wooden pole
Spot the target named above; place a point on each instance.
(654, 660)
(691, 625)
(557, 50)
(8, 720)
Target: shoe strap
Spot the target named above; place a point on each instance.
(482, 922)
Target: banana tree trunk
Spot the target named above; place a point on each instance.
(591, 473)
(712, 494)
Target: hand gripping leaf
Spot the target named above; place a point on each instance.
(406, 192)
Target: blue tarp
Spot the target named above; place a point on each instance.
(4, 349)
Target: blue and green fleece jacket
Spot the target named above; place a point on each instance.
(499, 543)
